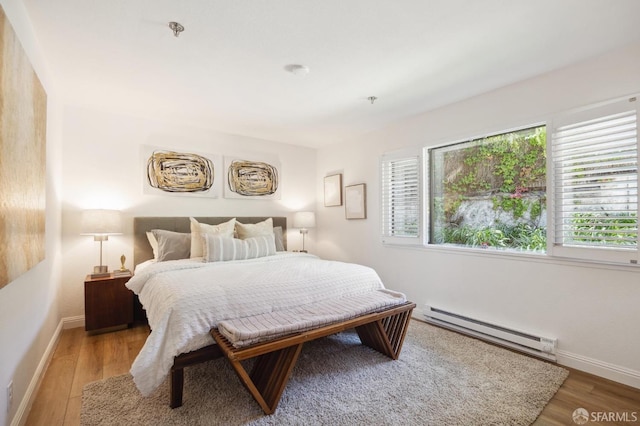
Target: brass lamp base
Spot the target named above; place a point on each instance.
(100, 271)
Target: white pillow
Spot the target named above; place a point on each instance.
(198, 230)
(153, 243)
(220, 249)
(250, 230)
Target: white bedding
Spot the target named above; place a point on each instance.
(184, 299)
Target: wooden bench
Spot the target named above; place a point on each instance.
(383, 331)
(176, 375)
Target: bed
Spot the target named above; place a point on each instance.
(186, 299)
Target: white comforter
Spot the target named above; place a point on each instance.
(185, 299)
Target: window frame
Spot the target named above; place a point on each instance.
(554, 253)
(427, 155)
(386, 222)
(594, 253)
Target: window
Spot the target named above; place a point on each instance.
(497, 191)
(595, 157)
(401, 198)
(490, 192)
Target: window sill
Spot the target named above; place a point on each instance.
(514, 255)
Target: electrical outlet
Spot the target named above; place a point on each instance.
(9, 395)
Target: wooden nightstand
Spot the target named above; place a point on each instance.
(107, 302)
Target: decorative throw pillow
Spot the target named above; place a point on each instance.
(198, 230)
(172, 245)
(220, 249)
(250, 230)
(278, 234)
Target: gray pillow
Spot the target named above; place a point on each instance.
(172, 245)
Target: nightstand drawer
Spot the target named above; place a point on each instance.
(107, 302)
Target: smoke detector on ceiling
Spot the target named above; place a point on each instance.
(297, 69)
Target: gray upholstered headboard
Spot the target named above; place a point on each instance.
(142, 250)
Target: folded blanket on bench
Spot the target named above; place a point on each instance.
(247, 331)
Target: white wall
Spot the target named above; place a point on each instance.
(103, 168)
(593, 311)
(29, 305)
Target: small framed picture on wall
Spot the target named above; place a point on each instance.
(355, 201)
(333, 190)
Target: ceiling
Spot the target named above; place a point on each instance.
(226, 71)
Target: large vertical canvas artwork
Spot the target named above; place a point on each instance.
(23, 118)
(178, 172)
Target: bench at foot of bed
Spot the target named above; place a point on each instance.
(383, 331)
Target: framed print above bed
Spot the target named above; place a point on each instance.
(355, 201)
(333, 190)
(252, 177)
(173, 172)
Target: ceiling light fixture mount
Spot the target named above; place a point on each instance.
(297, 69)
(176, 28)
(372, 99)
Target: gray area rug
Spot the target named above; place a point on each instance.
(441, 378)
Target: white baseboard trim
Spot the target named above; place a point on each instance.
(22, 413)
(73, 322)
(596, 367)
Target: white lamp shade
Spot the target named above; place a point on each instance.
(304, 220)
(101, 222)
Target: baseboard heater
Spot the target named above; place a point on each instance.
(542, 347)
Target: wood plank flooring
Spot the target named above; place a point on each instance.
(81, 358)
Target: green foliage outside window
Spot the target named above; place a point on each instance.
(522, 236)
(614, 228)
(510, 170)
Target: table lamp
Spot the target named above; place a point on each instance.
(101, 224)
(304, 220)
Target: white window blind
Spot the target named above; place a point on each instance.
(401, 191)
(596, 181)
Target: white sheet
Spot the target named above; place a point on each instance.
(184, 299)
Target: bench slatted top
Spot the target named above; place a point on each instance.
(250, 330)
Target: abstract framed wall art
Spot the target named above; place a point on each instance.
(180, 172)
(333, 190)
(249, 178)
(355, 201)
(23, 126)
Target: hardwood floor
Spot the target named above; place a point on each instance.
(81, 358)
(600, 397)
